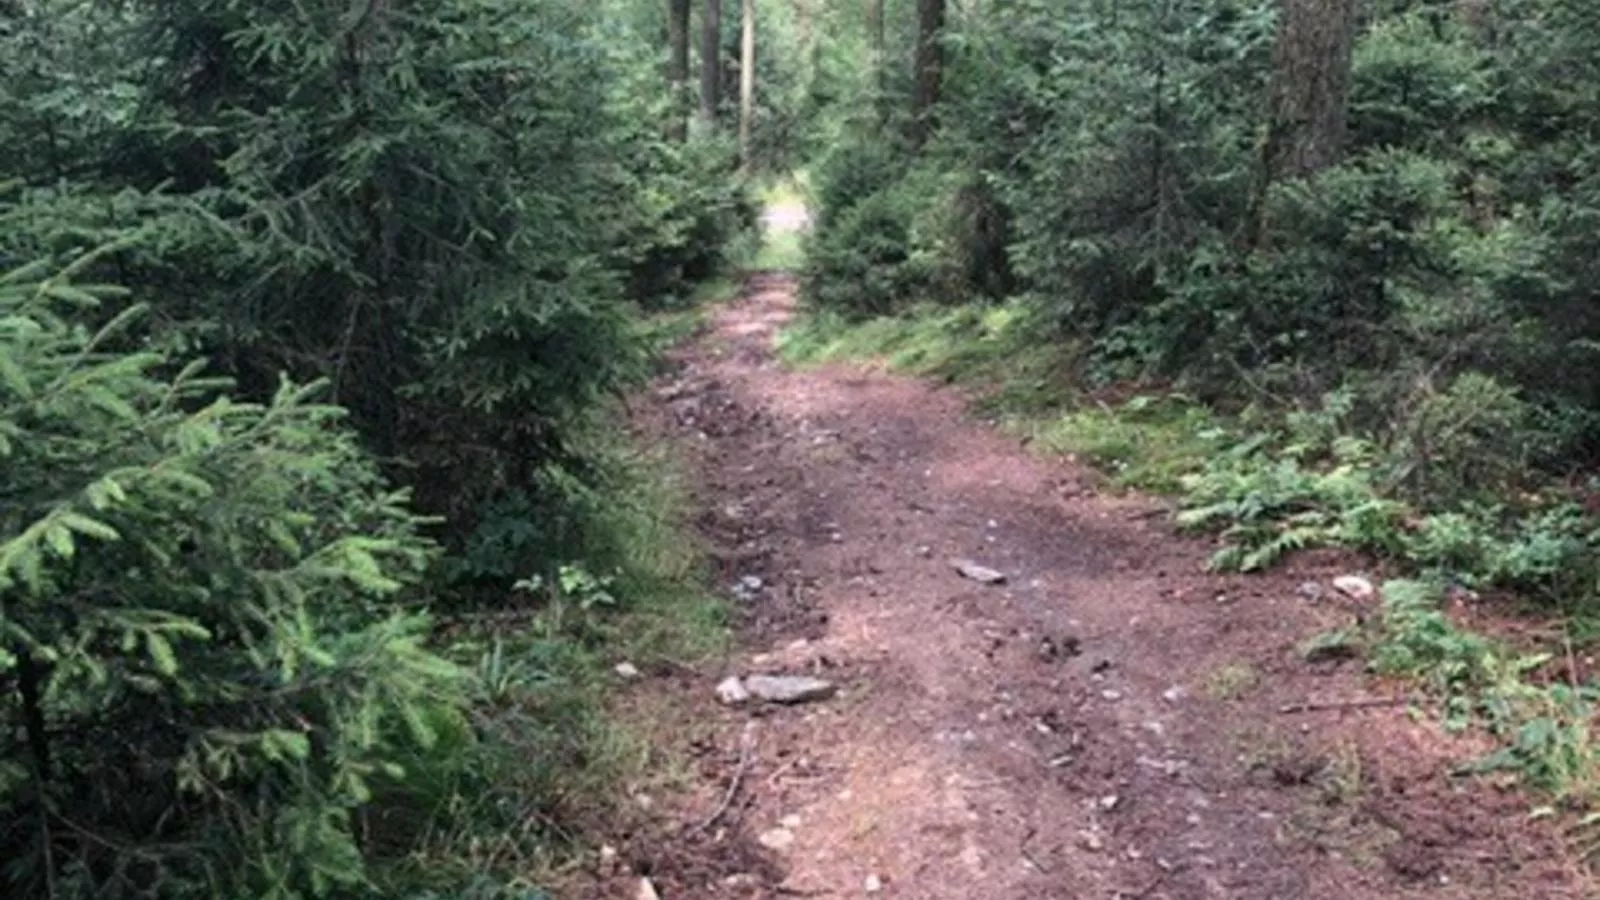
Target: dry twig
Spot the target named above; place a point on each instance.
(747, 758)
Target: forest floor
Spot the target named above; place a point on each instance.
(1110, 721)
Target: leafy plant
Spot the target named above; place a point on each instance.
(200, 647)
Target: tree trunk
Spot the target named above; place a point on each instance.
(928, 69)
(678, 66)
(711, 64)
(875, 56)
(747, 80)
(1310, 87)
(1308, 99)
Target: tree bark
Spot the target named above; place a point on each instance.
(1307, 104)
(928, 69)
(1310, 89)
(711, 64)
(747, 81)
(678, 66)
(875, 56)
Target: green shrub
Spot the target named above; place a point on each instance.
(204, 675)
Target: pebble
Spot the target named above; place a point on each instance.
(1354, 586)
(1111, 695)
(647, 890)
(1091, 841)
(873, 884)
(777, 839)
(980, 574)
(627, 670)
(732, 691)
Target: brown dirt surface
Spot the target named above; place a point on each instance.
(1108, 723)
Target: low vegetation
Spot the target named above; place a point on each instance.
(322, 529)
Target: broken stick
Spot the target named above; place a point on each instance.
(747, 758)
(1358, 703)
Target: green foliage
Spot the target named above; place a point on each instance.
(444, 214)
(1545, 726)
(546, 758)
(205, 682)
(213, 680)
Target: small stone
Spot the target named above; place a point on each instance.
(788, 688)
(873, 884)
(777, 839)
(980, 574)
(1174, 694)
(1111, 695)
(1354, 586)
(732, 691)
(748, 588)
(742, 881)
(627, 670)
(609, 859)
(924, 551)
(1091, 841)
(1110, 802)
(791, 821)
(1310, 590)
(647, 891)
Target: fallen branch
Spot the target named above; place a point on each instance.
(1327, 705)
(747, 758)
(1028, 855)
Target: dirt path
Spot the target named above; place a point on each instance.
(1108, 723)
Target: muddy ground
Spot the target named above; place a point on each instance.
(1111, 722)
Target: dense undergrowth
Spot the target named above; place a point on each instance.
(321, 528)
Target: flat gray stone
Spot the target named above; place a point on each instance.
(789, 688)
(980, 574)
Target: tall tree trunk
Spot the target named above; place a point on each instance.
(678, 66)
(747, 80)
(875, 56)
(711, 63)
(928, 69)
(1307, 106)
(1310, 87)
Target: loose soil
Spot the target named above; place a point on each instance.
(1109, 723)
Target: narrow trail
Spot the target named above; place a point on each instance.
(1109, 723)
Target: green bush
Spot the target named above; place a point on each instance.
(201, 655)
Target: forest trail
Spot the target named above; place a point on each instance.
(1109, 722)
